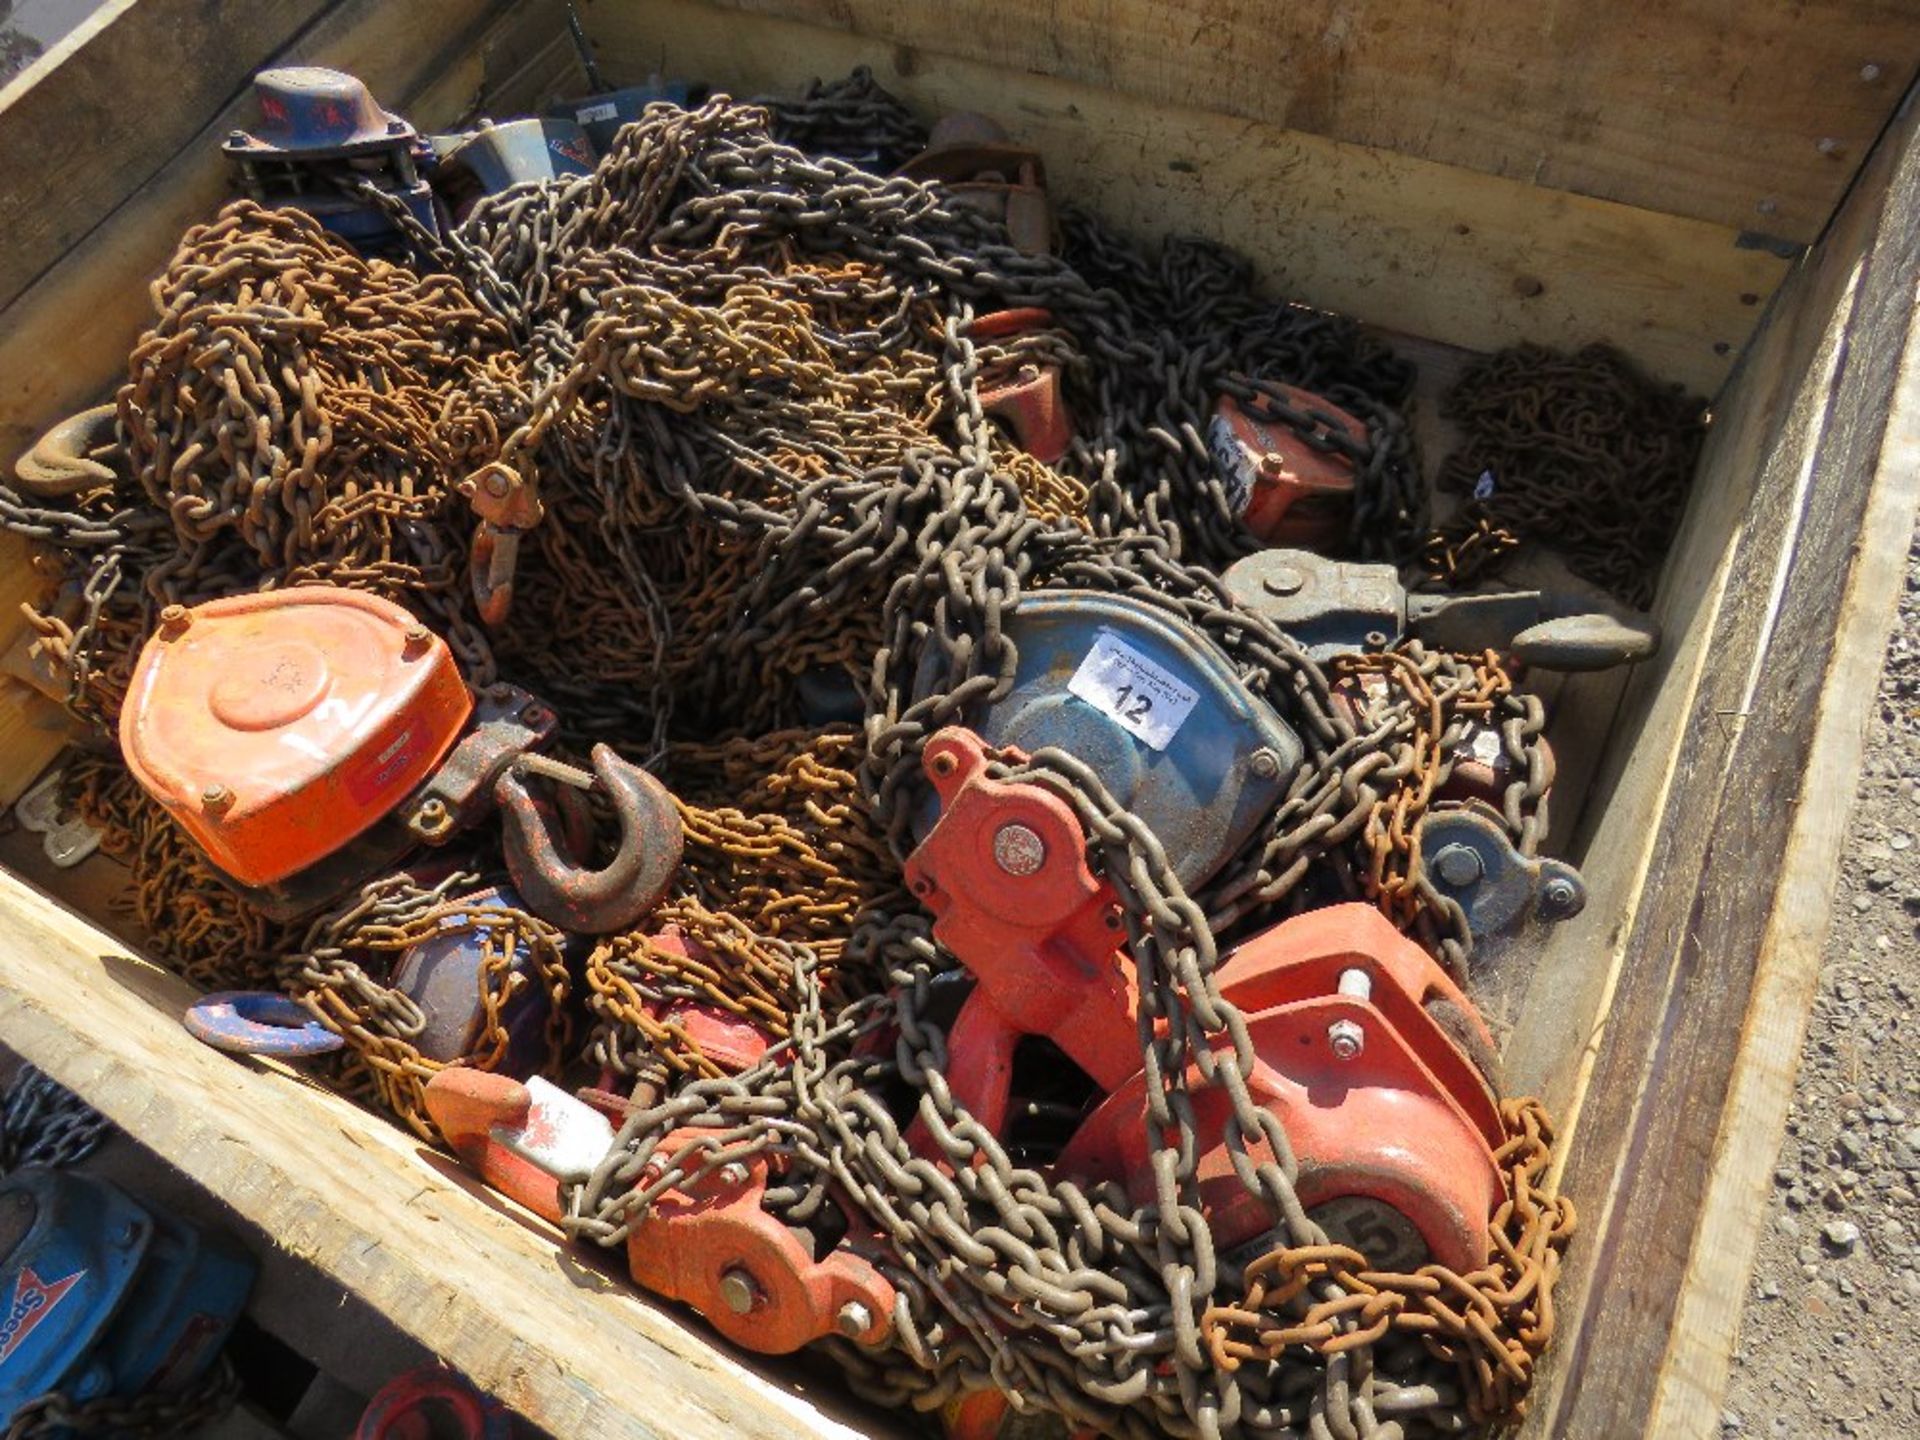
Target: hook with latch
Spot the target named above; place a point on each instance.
(507, 506)
(553, 882)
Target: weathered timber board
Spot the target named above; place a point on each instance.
(1747, 841)
(1752, 114)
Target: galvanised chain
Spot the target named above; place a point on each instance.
(1582, 452)
(43, 1123)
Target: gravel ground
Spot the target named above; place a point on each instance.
(1830, 1342)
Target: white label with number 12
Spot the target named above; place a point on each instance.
(1143, 699)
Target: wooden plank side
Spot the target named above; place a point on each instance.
(1751, 114)
(1440, 252)
(1694, 1375)
(117, 107)
(1743, 841)
(397, 1225)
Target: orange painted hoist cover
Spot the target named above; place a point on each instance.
(277, 727)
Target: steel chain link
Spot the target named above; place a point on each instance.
(742, 379)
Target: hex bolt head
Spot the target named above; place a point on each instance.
(1458, 864)
(1018, 849)
(216, 798)
(733, 1173)
(1283, 580)
(415, 640)
(1346, 1039)
(739, 1289)
(854, 1319)
(1264, 763)
(174, 621)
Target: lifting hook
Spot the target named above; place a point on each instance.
(63, 461)
(553, 883)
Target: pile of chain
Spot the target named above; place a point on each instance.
(742, 379)
(1582, 452)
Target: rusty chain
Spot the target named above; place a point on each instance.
(742, 379)
(1582, 452)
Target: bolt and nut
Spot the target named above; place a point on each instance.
(1559, 896)
(739, 1290)
(854, 1319)
(174, 620)
(1264, 763)
(1458, 864)
(1346, 1039)
(733, 1173)
(414, 640)
(1018, 849)
(216, 798)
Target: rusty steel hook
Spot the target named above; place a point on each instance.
(593, 902)
(62, 461)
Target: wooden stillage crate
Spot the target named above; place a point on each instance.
(1730, 192)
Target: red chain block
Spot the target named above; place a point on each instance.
(1027, 397)
(711, 1243)
(1381, 1107)
(1289, 491)
(1005, 874)
(1393, 1126)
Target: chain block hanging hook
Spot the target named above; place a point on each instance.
(507, 506)
(555, 885)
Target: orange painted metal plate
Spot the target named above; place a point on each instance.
(277, 727)
(1285, 490)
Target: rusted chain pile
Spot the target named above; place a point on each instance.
(1581, 452)
(743, 380)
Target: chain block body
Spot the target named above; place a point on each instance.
(105, 1297)
(1025, 396)
(1393, 1126)
(277, 727)
(1290, 484)
(969, 156)
(1151, 706)
(321, 132)
(711, 1243)
(444, 976)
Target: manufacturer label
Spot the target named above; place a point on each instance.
(1144, 700)
(1234, 464)
(390, 761)
(586, 114)
(33, 1301)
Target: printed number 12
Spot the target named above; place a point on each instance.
(1141, 703)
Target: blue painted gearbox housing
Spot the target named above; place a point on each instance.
(1203, 789)
(103, 1297)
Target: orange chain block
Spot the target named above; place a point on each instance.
(277, 727)
(1394, 1129)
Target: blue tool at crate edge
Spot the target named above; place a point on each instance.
(103, 1297)
(321, 136)
(1153, 708)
